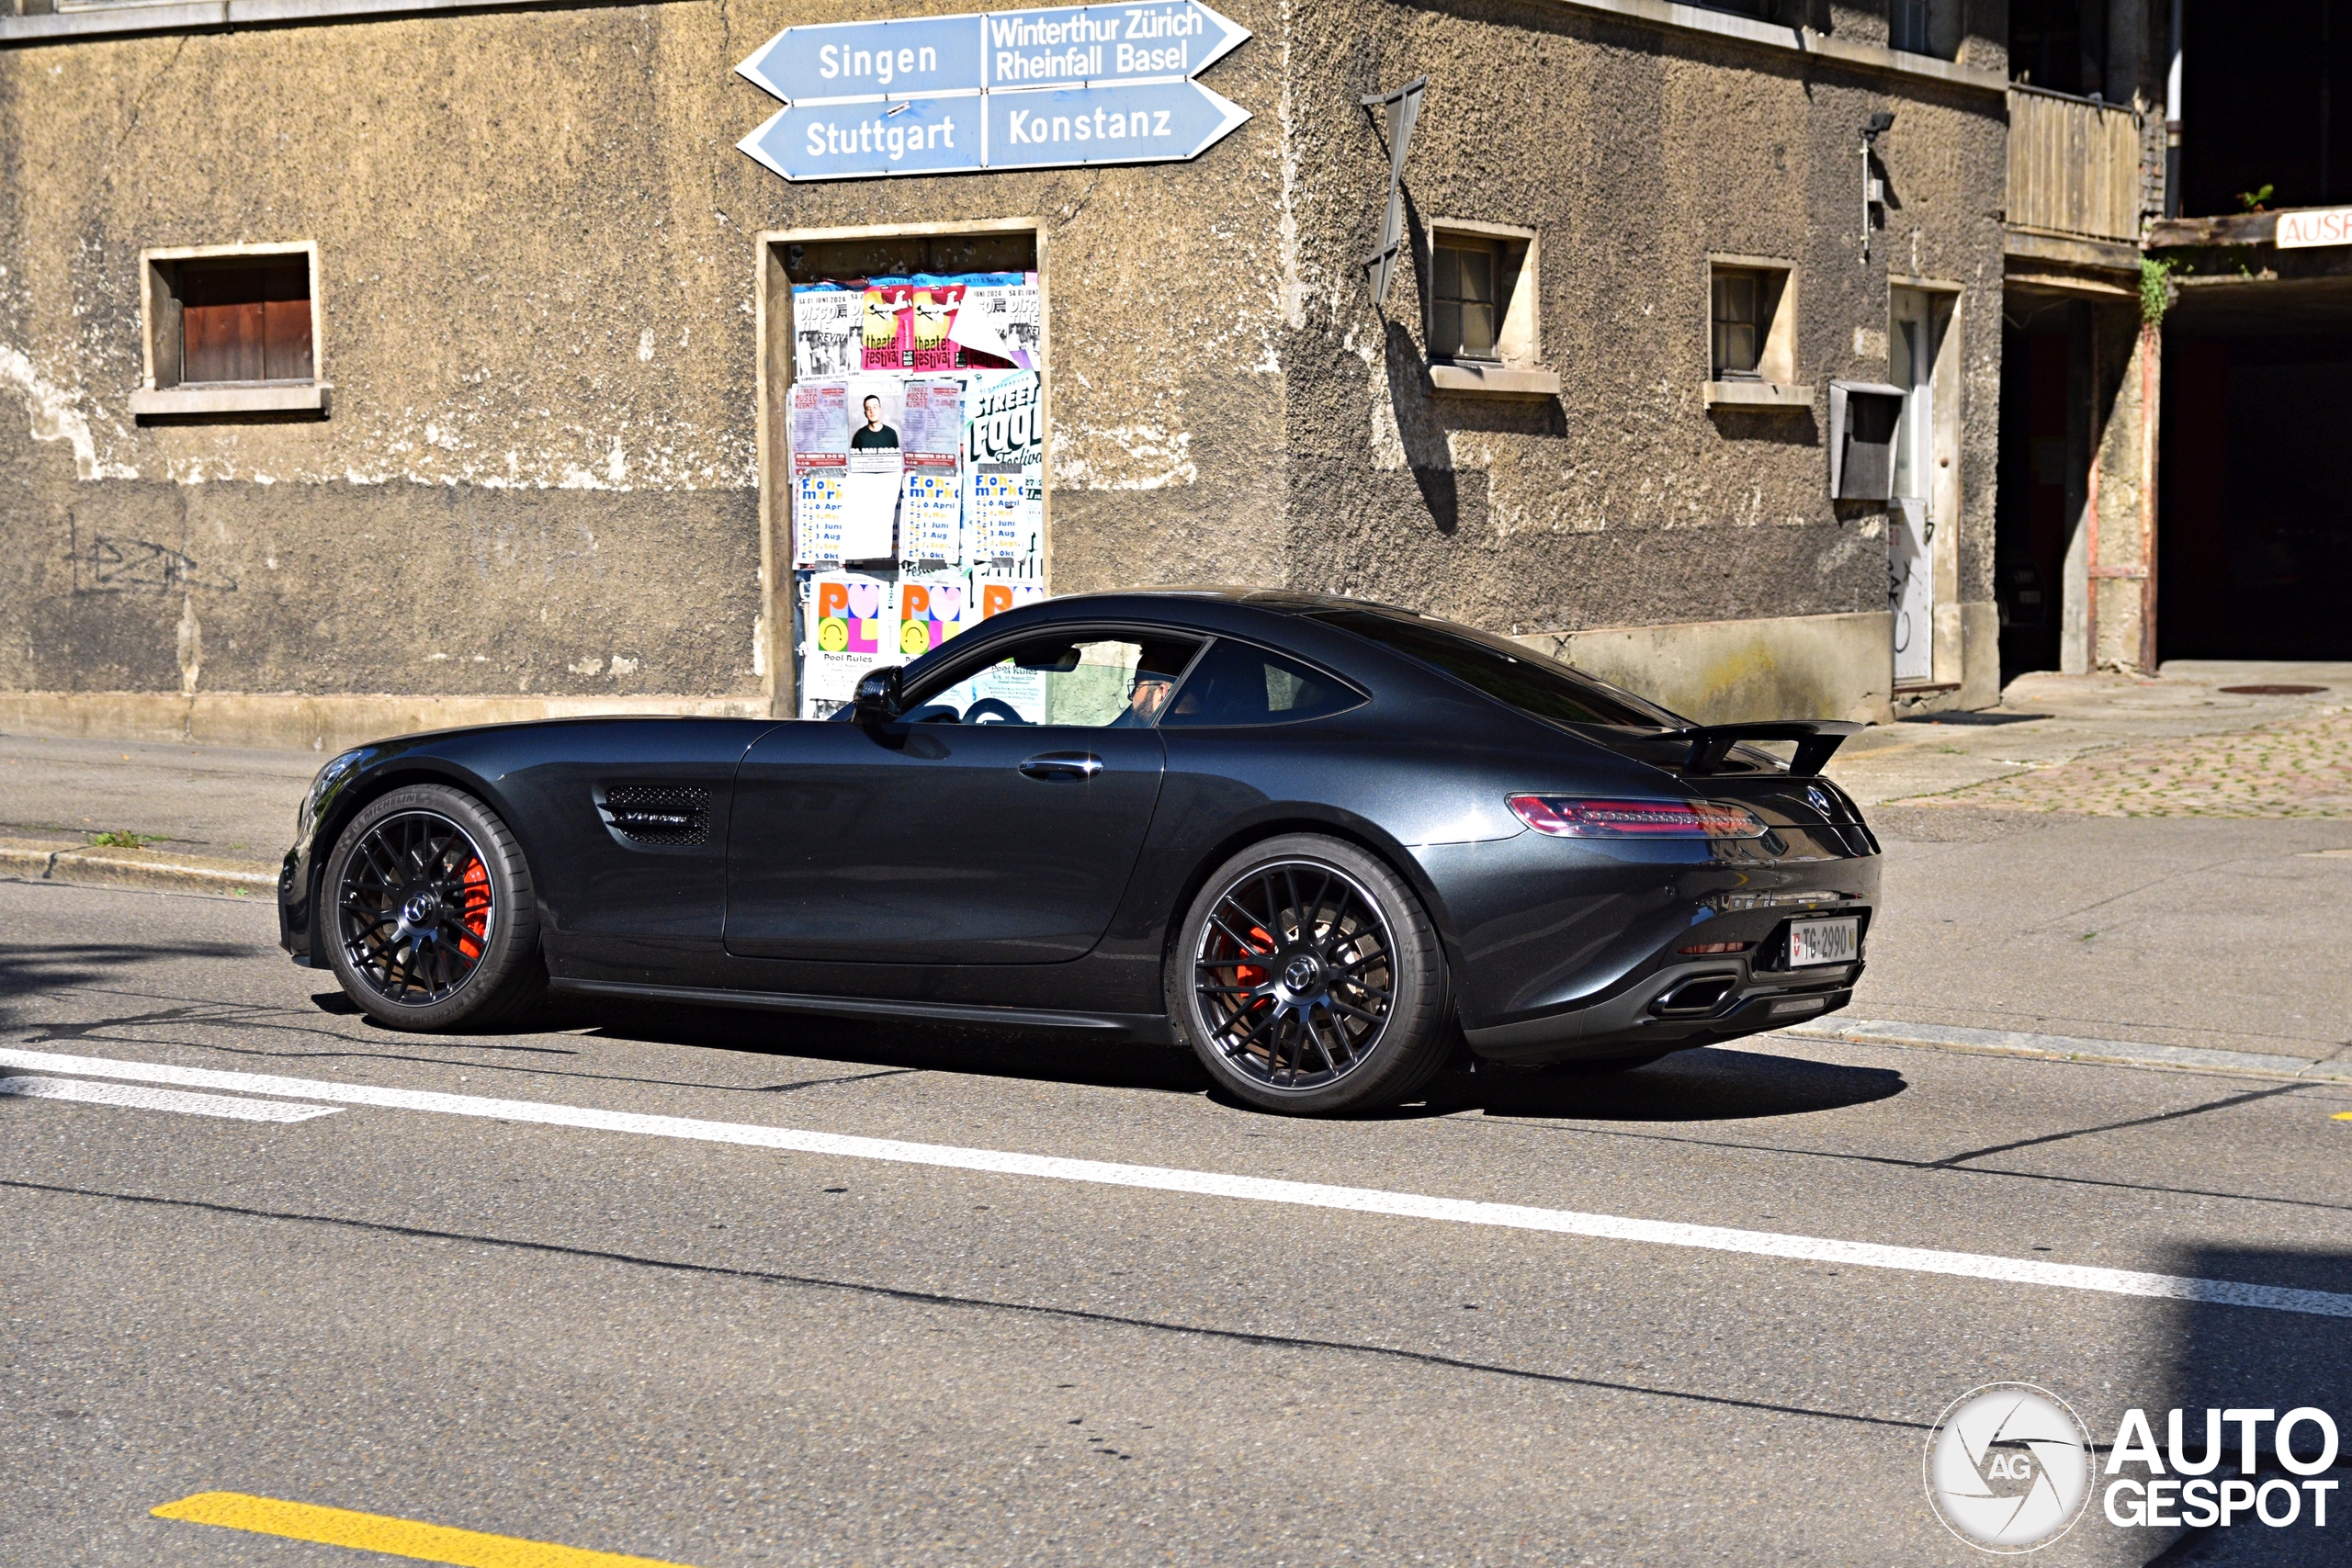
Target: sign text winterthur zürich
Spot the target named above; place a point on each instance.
(950, 95)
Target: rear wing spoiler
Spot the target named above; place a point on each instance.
(1817, 740)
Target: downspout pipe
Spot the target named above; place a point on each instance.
(2172, 118)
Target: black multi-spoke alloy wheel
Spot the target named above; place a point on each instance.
(427, 913)
(1308, 979)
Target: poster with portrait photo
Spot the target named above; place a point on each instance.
(875, 408)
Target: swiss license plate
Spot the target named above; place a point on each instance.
(1824, 942)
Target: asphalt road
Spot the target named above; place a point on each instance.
(608, 1337)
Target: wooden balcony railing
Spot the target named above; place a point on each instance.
(2073, 166)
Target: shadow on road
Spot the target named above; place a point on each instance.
(28, 972)
(2226, 1358)
(934, 1047)
(1690, 1086)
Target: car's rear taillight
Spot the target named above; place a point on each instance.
(1570, 817)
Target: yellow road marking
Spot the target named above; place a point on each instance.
(395, 1538)
(2342, 1116)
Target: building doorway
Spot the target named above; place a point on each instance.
(904, 399)
(1926, 489)
(2256, 532)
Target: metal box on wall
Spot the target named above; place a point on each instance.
(1863, 419)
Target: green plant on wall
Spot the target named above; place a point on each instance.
(2252, 200)
(2155, 289)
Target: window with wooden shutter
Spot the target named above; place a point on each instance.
(232, 331)
(246, 321)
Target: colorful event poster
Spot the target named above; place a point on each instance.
(934, 306)
(933, 424)
(932, 609)
(816, 429)
(1004, 452)
(888, 339)
(997, 516)
(993, 593)
(1000, 321)
(1003, 419)
(848, 622)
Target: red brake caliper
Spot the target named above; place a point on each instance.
(475, 917)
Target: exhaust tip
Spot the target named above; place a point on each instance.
(1703, 993)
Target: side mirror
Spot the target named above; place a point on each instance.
(878, 695)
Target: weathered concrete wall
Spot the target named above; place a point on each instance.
(1721, 672)
(539, 474)
(1635, 152)
(540, 477)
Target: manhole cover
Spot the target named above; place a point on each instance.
(2273, 691)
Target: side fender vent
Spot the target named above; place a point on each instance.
(653, 814)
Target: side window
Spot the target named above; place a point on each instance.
(1095, 681)
(1236, 683)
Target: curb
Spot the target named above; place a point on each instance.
(2065, 1048)
(147, 871)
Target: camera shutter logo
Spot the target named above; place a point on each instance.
(2009, 1467)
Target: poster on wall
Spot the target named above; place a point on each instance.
(1004, 485)
(875, 409)
(886, 337)
(848, 622)
(932, 608)
(824, 330)
(930, 507)
(817, 424)
(1000, 321)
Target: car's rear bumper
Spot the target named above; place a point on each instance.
(1564, 949)
(1642, 1018)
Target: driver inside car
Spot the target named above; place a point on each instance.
(1146, 697)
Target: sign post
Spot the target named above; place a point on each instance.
(1031, 89)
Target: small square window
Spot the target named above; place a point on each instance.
(1924, 26)
(1462, 301)
(231, 330)
(1736, 342)
(1752, 334)
(1478, 282)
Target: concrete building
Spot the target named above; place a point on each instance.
(2178, 312)
(501, 433)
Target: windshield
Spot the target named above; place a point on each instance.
(1507, 672)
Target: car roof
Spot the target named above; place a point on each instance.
(1288, 600)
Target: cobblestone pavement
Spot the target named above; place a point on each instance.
(2207, 739)
(2298, 768)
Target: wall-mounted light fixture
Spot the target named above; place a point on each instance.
(1873, 188)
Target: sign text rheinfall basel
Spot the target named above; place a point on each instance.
(1028, 89)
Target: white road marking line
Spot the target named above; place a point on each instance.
(1212, 1184)
(165, 1100)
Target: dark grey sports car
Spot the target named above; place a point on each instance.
(1322, 843)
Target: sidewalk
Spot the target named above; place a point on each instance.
(182, 818)
(2113, 860)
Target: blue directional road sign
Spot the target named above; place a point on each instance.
(1034, 89)
(869, 60)
(860, 140)
(1136, 122)
(1093, 44)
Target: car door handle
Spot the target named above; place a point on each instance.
(1062, 766)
